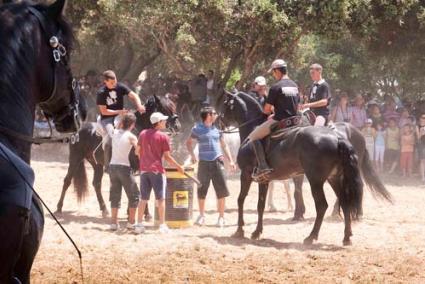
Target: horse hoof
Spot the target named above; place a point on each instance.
(58, 212)
(255, 235)
(105, 213)
(272, 209)
(238, 234)
(347, 242)
(298, 218)
(148, 218)
(308, 241)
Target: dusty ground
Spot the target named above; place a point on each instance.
(388, 244)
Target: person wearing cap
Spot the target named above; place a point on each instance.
(211, 162)
(120, 172)
(283, 100)
(152, 146)
(320, 96)
(110, 102)
(259, 90)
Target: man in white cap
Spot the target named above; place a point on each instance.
(320, 96)
(152, 146)
(259, 89)
(283, 100)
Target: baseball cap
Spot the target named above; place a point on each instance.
(278, 63)
(260, 80)
(368, 121)
(157, 117)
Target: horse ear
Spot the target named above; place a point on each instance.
(56, 10)
(156, 98)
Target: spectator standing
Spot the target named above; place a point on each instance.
(379, 147)
(407, 147)
(153, 145)
(369, 134)
(210, 88)
(358, 115)
(390, 111)
(340, 113)
(376, 116)
(211, 163)
(120, 172)
(420, 133)
(392, 149)
(404, 118)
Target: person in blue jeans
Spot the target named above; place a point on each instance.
(211, 163)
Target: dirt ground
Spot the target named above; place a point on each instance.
(388, 244)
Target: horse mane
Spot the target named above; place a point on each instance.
(251, 103)
(18, 56)
(168, 104)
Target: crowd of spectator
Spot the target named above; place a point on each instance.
(395, 139)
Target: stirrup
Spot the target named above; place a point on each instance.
(261, 176)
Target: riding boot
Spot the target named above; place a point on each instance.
(260, 173)
(13, 226)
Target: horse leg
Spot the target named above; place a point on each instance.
(336, 210)
(299, 200)
(321, 206)
(262, 195)
(270, 202)
(97, 184)
(66, 183)
(246, 181)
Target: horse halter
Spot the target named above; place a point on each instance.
(53, 105)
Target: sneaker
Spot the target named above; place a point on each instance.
(113, 227)
(139, 228)
(163, 229)
(130, 226)
(220, 222)
(200, 221)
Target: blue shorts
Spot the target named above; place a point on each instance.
(157, 181)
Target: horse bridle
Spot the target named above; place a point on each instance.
(59, 52)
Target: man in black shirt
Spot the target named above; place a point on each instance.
(320, 96)
(110, 101)
(283, 100)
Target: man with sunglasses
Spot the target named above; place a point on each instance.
(282, 100)
(211, 165)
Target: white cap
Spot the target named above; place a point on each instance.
(278, 63)
(260, 80)
(157, 117)
(368, 121)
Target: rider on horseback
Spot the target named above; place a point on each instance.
(283, 100)
(110, 101)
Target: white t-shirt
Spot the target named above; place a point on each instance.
(121, 147)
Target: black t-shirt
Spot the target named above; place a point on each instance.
(283, 95)
(319, 92)
(113, 99)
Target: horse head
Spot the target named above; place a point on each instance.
(233, 109)
(162, 105)
(58, 92)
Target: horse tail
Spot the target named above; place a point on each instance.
(372, 179)
(352, 185)
(79, 176)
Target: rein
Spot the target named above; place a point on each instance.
(235, 129)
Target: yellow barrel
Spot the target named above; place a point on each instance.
(178, 199)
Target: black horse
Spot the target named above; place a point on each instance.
(242, 110)
(35, 47)
(88, 147)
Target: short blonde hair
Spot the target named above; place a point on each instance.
(109, 74)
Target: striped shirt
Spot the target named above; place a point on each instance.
(209, 141)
